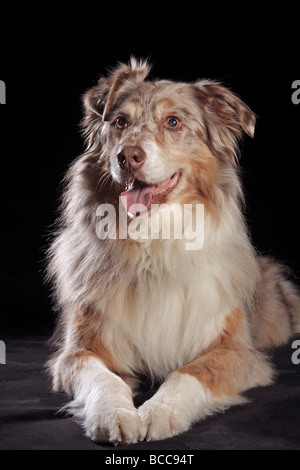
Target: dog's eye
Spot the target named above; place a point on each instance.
(121, 123)
(173, 123)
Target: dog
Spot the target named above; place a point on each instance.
(197, 319)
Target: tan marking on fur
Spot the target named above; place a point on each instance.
(130, 108)
(71, 363)
(201, 182)
(69, 366)
(88, 327)
(86, 343)
(233, 323)
(165, 106)
(218, 367)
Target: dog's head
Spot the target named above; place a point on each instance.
(164, 140)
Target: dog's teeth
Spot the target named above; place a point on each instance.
(129, 183)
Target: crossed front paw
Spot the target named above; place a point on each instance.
(120, 426)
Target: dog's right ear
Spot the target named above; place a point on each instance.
(102, 97)
(94, 100)
(135, 72)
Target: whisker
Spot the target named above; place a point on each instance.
(103, 181)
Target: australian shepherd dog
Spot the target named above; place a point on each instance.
(190, 304)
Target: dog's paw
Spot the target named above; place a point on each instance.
(179, 402)
(120, 426)
(162, 419)
(104, 406)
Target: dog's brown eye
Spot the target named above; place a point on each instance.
(173, 123)
(121, 123)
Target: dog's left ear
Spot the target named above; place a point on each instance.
(226, 117)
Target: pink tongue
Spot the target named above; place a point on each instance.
(137, 196)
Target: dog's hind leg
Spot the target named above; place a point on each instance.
(275, 315)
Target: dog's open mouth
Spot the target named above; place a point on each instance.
(146, 195)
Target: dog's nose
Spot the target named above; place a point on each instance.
(131, 158)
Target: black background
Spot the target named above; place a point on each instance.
(52, 52)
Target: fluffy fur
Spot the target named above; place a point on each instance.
(198, 321)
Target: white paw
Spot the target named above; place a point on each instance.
(104, 406)
(161, 419)
(180, 401)
(121, 425)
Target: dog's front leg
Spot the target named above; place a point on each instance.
(102, 401)
(210, 383)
